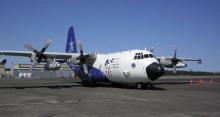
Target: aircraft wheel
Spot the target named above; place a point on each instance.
(113, 84)
(149, 85)
(90, 83)
(140, 85)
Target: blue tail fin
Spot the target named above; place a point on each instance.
(71, 42)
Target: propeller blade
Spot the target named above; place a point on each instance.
(175, 60)
(174, 69)
(82, 58)
(175, 51)
(80, 48)
(44, 56)
(31, 48)
(152, 49)
(85, 68)
(47, 44)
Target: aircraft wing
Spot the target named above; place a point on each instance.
(165, 58)
(56, 55)
(59, 56)
(179, 59)
(187, 59)
(16, 53)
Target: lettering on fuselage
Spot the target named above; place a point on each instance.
(111, 66)
(112, 63)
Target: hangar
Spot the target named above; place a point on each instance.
(24, 71)
(2, 71)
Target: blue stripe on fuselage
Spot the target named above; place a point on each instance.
(94, 73)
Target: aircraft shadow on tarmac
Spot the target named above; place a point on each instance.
(80, 85)
(172, 83)
(122, 86)
(155, 85)
(40, 86)
(106, 85)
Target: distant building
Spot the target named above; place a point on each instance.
(2, 71)
(24, 71)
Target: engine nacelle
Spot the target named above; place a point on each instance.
(52, 66)
(33, 57)
(73, 60)
(3, 61)
(167, 62)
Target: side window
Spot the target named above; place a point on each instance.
(146, 56)
(142, 56)
(136, 56)
(151, 55)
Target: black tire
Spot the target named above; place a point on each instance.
(149, 85)
(139, 85)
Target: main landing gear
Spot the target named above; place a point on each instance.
(90, 83)
(141, 85)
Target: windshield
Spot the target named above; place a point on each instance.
(142, 56)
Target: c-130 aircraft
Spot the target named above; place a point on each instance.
(138, 67)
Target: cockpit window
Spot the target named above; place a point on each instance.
(135, 57)
(139, 56)
(151, 55)
(146, 56)
(142, 56)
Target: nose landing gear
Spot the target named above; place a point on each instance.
(148, 85)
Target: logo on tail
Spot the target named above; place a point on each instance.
(71, 41)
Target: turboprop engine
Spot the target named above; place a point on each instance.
(52, 66)
(38, 56)
(168, 62)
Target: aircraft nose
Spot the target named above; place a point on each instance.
(154, 71)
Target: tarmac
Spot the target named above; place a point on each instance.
(57, 97)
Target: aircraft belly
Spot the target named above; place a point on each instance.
(93, 73)
(120, 76)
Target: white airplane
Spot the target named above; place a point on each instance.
(138, 67)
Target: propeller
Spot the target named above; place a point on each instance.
(82, 58)
(47, 44)
(175, 60)
(39, 55)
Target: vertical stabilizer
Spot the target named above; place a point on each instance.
(71, 41)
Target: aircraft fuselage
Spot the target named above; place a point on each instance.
(132, 66)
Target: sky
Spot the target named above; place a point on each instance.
(193, 26)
